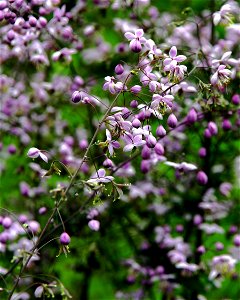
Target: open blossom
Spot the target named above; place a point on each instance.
(182, 167)
(159, 101)
(222, 265)
(112, 86)
(137, 141)
(221, 76)
(111, 144)
(223, 14)
(100, 177)
(35, 152)
(136, 39)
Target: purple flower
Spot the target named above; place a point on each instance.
(136, 39)
(112, 86)
(173, 59)
(39, 291)
(64, 239)
(137, 141)
(159, 101)
(221, 76)
(94, 225)
(111, 144)
(35, 152)
(100, 177)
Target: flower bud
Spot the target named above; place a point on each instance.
(202, 152)
(202, 178)
(7, 222)
(134, 103)
(159, 149)
(161, 132)
(145, 166)
(207, 133)
(136, 123)
(151, 141)
(42, 210)
(146, 152)
(3, 4)
(136, 89)
(76, 97)
(108, 163)
(119, 69)
(236, 240)
(12, 149)
(32, 21)
(213, 128)
(192, 116)
(172, 121)
(201, 249)
(197, 220)
(83, 144)
(225, 188)
(236, 99)
(226, 125)
(10, 35)
(219, 246)
(94, 225)
(64, 238)
(42, 22)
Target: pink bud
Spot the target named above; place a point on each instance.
(202, 178)
(151, 141)
(136, 89)
(146, 152)
(65, 239)
(192, 116)
(226, 125)
(134, 103)
(236, 240)
(161, 132)
(219, 246)
(76, 97)
(159, 149)
(7, 222)
(172, 121)
(10, 35)
(32, 21)
(236, 99)
(213, 128)
(119, 69)
(42, 210)
(207, 133)
(145, 166)
(94, 225)
(202, 152)
(136, 123)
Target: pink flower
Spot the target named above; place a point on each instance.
(100, 177)
(111, 144)
(171, 62)
(221, 76)
(136, 39)
(112, 86)
(137, 141)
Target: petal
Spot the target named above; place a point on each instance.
(167, 61)
(128, 148)
(43, 157)
(214, 78)
(226, 55)
(139, 33)
(108, 134)
(216, 18)
(101, 173)
(180, 58)
(173, 52)
(116, 144)
(129, 35)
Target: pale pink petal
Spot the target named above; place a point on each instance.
(129, 35)
(43, 157)
(173, 52)
(128, 148)
(139, 33)
(33, 152)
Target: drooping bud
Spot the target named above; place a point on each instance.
(136, 89)
(65, 239)
(145, 166)
(207, 133)
(7, 222)
(161, 132)
(219, 246)
(42, 210)
(192, 116)
(202, 178)
(172, 121)
(236, 99)
(76, 97)
(146, 152)
(108, 163)
(236, 240)
(202, 152)
(136, 123)
(159, 149)
(10, 35)
(119, 69)
(226, 125)
(151, 141)
(197, 220)
(32, 21)
(94, 225)
(213, 128)
(134, 103)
